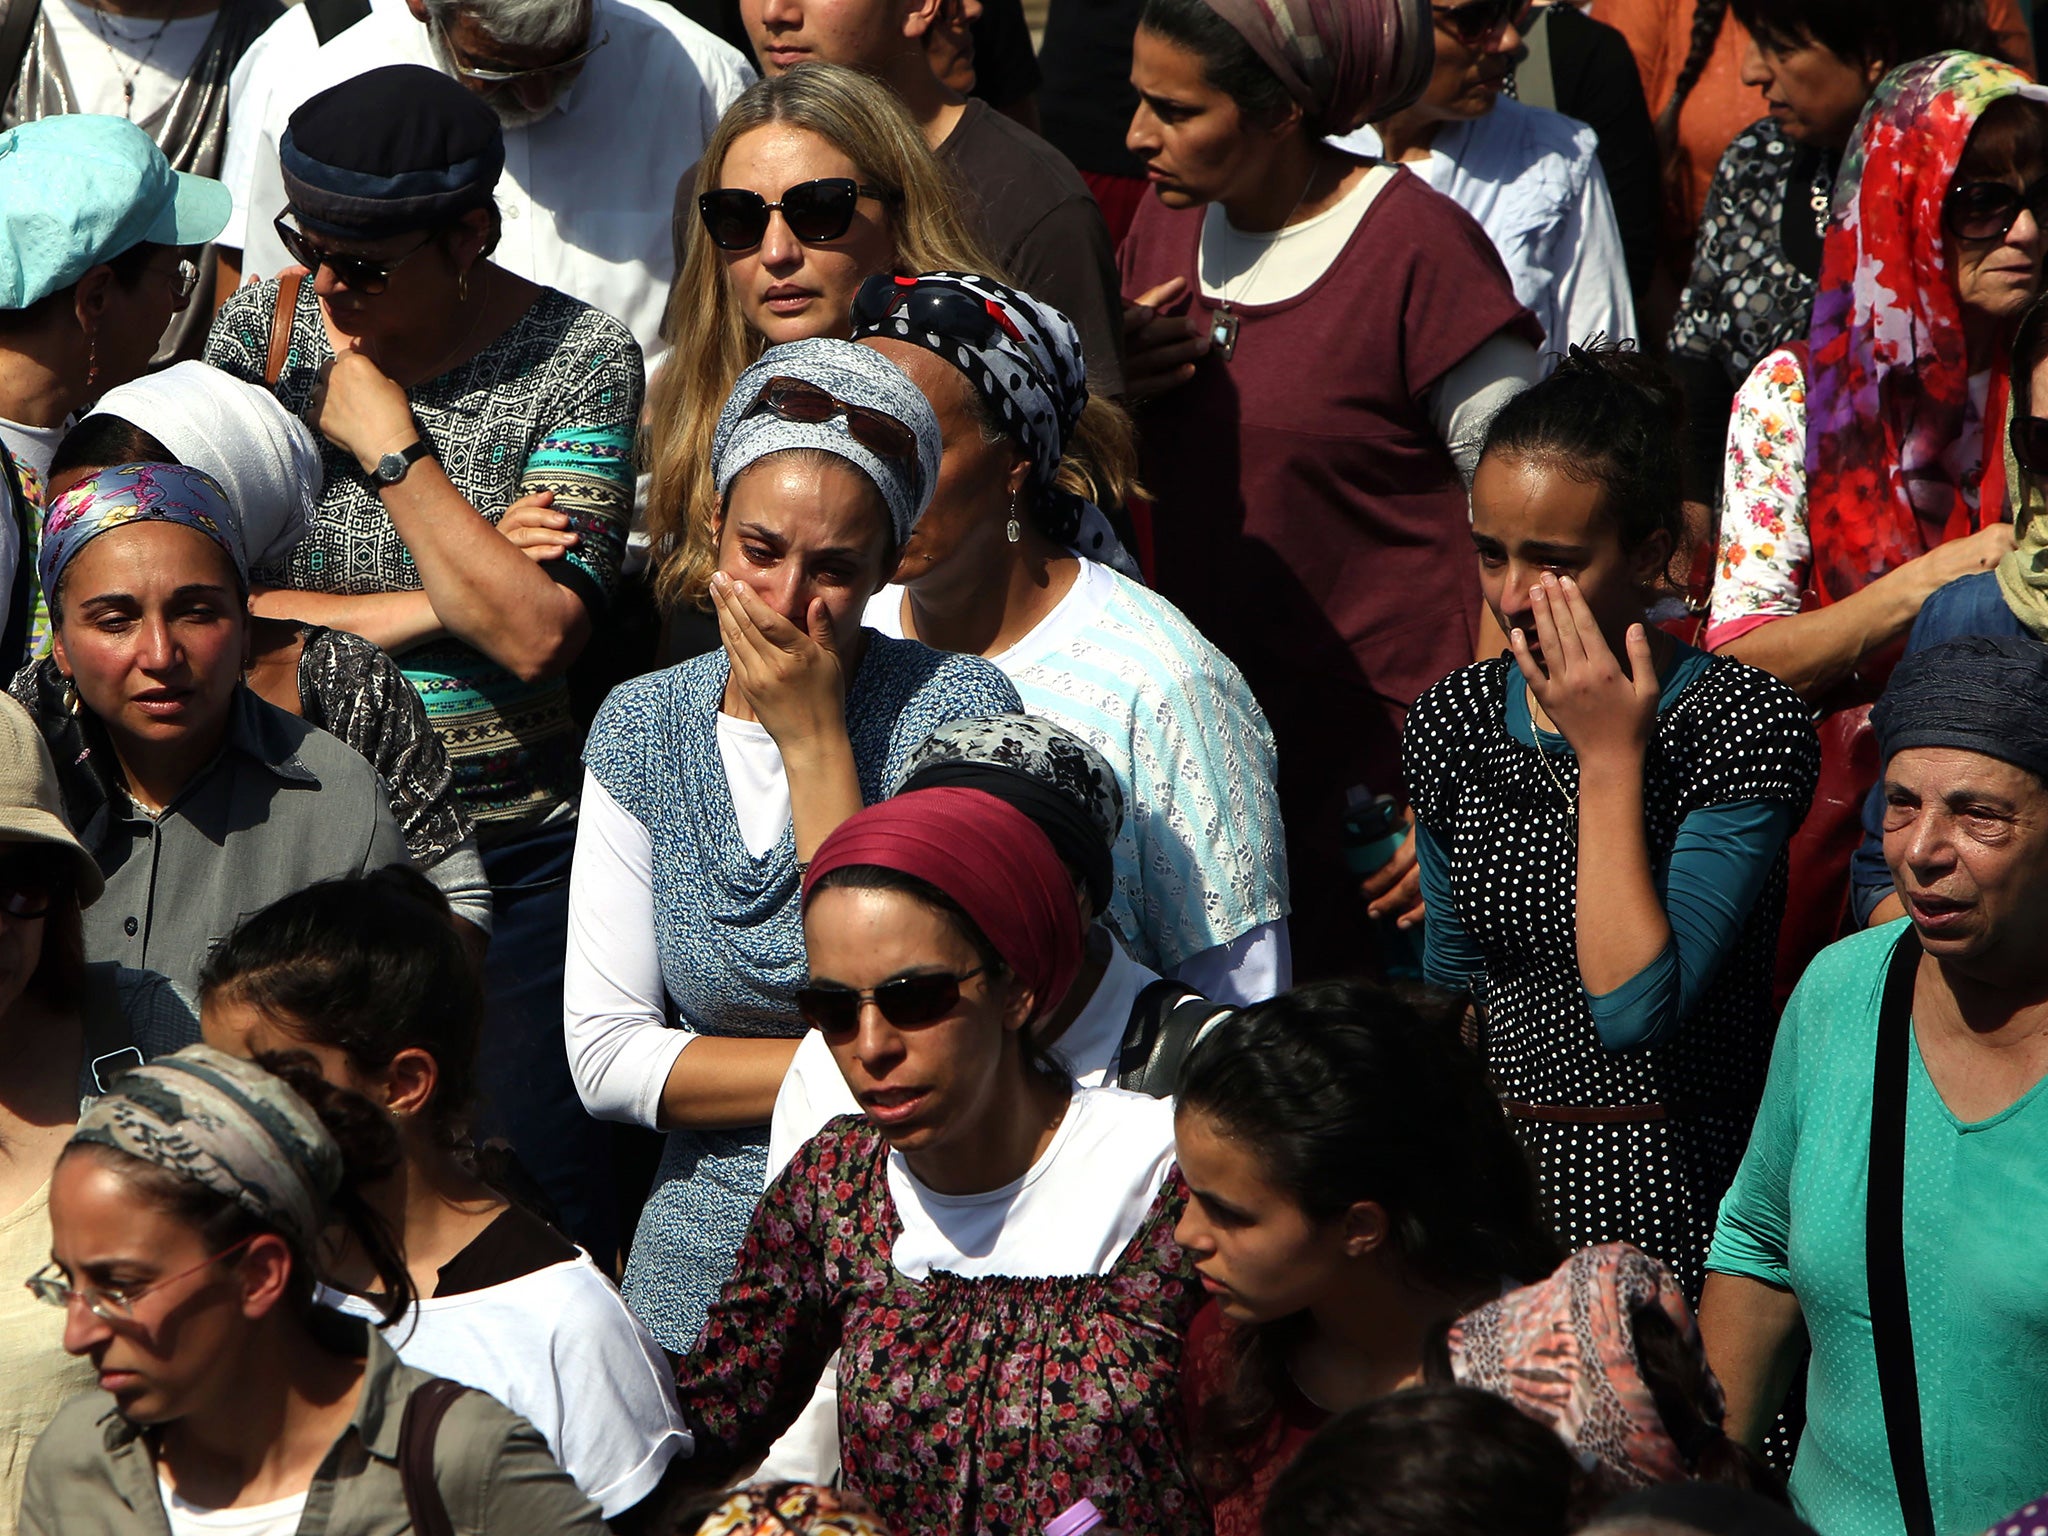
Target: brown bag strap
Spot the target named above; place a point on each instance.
(424, 1410)
(281, 326)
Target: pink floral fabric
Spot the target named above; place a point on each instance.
(966, 1404)
(1764, 551)
(1888, 381)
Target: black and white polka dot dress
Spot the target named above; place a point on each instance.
(1732, 734)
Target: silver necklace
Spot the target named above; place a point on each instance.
(1224, 322)
(128, 77)
(1571, 801)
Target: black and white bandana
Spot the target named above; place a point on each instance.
(1035, 387)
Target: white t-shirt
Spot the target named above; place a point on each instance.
(278, 1518)
(1272, 266)
(757, 779)
(33, 448)
(814, 1091)
(100, 50)
(558, 1348)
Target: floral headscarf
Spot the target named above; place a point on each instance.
(135, 493)
(1888, 379)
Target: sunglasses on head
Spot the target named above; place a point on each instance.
(1479, 21)
(1987, 210)
(359, 274)
(938, 307)
(906, 1002)
(816, 211)
(800, 400)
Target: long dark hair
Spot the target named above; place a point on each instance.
(1352, 1093)
(1609, 416)
(369, 1154)
(1707, 17)
(1431, 1461)
(370, 965)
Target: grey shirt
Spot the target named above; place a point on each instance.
(92, 1474)
(281, 806)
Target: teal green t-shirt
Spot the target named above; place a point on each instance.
(1976, 1242)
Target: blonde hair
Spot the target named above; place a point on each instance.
(713, 344)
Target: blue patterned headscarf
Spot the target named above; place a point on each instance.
(853, 375)
(135, 493)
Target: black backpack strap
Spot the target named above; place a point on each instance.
(331, 18)
(21, 593)
(1891, 1319)
(1167, 1020)
(424, 1410)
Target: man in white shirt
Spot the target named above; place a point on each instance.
(605, 104)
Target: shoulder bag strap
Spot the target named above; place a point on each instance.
(16, 27)
(281, 317)
(424, 1410)
(331, 18)
(109, 1044)
(1167, 1020)
(1891, 1320)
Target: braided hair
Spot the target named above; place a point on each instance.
(1707, 17)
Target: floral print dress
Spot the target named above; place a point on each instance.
(967, 1404)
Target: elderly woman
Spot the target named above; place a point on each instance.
(1863, 470)
(189, 1214)
(990, 1249)
(63, 1025)
(710, 786)
(447, 389)
(1347, 333)
(267, 462)
(198, 800)
(1000, 568)
(1891, 1206)
(869, 197)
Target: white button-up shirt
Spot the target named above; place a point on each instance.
(587, 190)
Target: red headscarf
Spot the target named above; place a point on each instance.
(987, 856)
(1888, 375)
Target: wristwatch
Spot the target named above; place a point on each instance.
(392, 467)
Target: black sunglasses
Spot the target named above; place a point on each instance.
(1987, 210)
(944, 310)
(2030, 443)
(358, 274)
(906, 1002)
(800, 400)
(1478, 22)
(816, 211)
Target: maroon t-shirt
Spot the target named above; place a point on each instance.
(1203, 1378)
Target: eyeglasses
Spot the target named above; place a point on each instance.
(906, 1002)
(513, 76)
(800, 400)
(112, 1304)
(1987, 210)
(2030, 443)
(1478, 22)
(25, 897)
(359, 274)
(816, 212)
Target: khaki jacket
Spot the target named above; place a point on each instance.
(92, 1473)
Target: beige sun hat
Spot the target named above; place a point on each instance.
(31, 808)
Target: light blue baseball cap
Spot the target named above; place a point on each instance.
(80, 189)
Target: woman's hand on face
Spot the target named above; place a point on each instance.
(357, 407)
(1603, 711)
(534, 526)
(1159, 350)
(794, 681)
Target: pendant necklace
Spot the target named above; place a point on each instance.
(128, 77)
(1224, 321)
(1820, 198)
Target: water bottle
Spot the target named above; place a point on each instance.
(1078, 1520)
(1374, 829)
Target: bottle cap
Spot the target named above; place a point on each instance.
(1075, 1519)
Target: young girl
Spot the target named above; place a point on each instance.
(184, 1216)
(369, 976)
(1602, 822)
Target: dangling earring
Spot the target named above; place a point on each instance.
(72, 703)
(462, 286)
(92, 362)
(1013, 530)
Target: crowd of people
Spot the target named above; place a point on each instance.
(777, 768)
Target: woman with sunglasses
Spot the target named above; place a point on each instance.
(856, 191)
(1527, 174)
(709, 786)
(1001, 567)
(1864, 469)
(989, 1249)
(447, 389)
(188, 1214)
(1759, 245)
(63, 1024)
(1322, 339)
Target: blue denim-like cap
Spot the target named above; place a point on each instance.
(79, 190)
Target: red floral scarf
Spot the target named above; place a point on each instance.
(1888, 381)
